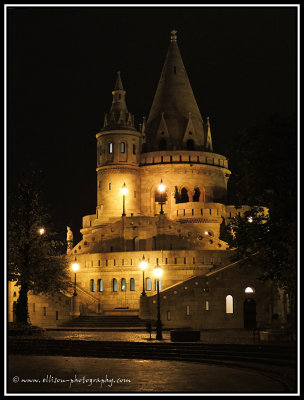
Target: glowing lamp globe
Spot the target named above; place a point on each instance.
(75, 267)
(158, 272)
(41, 231)
(143, 265)
(124, 190)
(161, 187)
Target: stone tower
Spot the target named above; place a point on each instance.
(118, 154)
(178, 150)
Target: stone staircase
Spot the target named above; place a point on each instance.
(105, 321)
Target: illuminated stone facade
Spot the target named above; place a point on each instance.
(174, 145)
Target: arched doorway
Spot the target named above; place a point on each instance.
(162, 144)
(190, 144)
(249, 314)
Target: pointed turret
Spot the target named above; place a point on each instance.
(208, 139)
(118, 116)
(174, 103)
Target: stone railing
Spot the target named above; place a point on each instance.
(183, 156)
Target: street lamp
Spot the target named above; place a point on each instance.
(41, 231)
(158, 273)
(143, 266)
(124, 191)
(75, 268)
(161, 188)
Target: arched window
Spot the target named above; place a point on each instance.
(134, 148)
(122, 147)
(136, 243)
(92, 285)
(148, 284)
(229, 304)
(177, 196)
(156, 284)
(249, 290)
(162, 144)
(115, 288)
(184, 196)
(123, 285)
(190, 144)
(110, 148)
(197, 194)
(132, 284)
(99, 285)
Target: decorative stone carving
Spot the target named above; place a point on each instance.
(69, 238)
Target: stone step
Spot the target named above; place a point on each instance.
(105, 321)
(176, 351)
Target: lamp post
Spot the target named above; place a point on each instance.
(143, 266)
(161, 188)
(158, 273)
(124, 191)
(75, 268)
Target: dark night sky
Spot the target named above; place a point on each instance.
(61, 68)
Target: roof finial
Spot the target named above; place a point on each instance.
(118, 84)
(173, 35)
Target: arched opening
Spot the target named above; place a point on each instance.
(249, 314)
(110, 148)
(154, 243)
(190, 144)
(99, 285)
(229, 304)
(249, 290)
(132, 284)
(148, 284)
(122, 147)
(156, 284)
(92, 285)
(197, 194)
(136, 243)
(177, 196)
(159, 198)
(162, 144)
(114, 285)
(184, 195)
(123, 285)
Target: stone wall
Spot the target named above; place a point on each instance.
(46, 311)
(184, 305)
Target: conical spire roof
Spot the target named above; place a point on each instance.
(174, 102)
(118, 116)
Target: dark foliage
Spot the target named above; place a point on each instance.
(35, 261)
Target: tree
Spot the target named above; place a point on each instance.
(264, 160)
(35, 258)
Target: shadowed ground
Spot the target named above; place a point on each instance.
(136, 376)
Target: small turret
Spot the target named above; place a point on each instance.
(118, 116)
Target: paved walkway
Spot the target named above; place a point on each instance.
(56, 374)
(207, 337)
